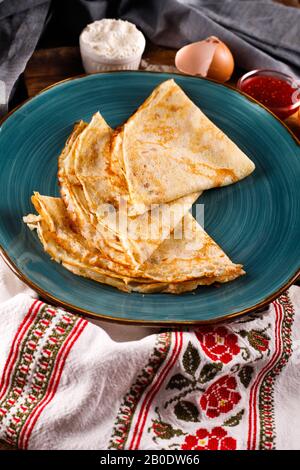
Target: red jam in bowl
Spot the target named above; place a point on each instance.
(277, 94)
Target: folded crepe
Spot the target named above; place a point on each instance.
(95, 191)
(123, 218)
(165, 154)
(170, 149)
(187, 259)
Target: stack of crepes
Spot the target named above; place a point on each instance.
(124, 218)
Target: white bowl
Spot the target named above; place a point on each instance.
(93, 61)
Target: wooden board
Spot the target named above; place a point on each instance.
(48, 66)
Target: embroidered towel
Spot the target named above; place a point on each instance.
(65, 384)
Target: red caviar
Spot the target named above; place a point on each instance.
(270, 91)
(275, 93)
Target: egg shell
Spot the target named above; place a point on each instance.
(208, 58)
(196, 58)
(222, 64)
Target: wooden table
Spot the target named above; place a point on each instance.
(48, 66)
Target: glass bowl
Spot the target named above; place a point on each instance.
(267, 91)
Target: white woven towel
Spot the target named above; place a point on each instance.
(66, 384)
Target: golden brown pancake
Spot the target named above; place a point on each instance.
(194, 257)
(171, 148)
(150, 171)
(95, 192)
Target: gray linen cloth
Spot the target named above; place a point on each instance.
(260, 33)
(21, 24)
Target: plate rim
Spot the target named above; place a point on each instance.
(119, 320)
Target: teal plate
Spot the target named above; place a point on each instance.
(256, 221)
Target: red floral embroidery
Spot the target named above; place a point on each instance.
(218, 343)
(217, 439)
(220, 397)
(258, 340)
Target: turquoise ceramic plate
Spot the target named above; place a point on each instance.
(255, 221)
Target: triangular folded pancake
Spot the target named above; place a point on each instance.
(93, 183)
(170, 149)
(105, 226)
(178, 265)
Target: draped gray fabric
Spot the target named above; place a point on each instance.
(260, 33)
(21, 24)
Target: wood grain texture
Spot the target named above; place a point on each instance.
(48, 66)
(289, 3)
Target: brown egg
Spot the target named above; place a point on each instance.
(208, 58)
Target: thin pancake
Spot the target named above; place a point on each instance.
(194, 257)
(72, 193)
(170, 132)
(95, 192)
